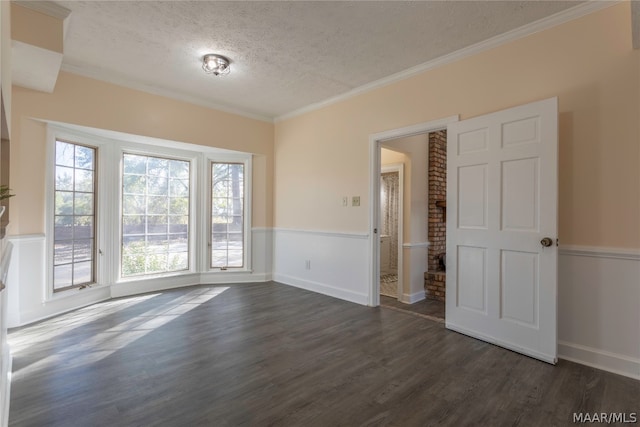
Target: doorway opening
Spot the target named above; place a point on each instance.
(391, 218)
(415, 264)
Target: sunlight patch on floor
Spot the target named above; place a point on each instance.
(104, 344)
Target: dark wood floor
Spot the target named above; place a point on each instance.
(427, 308)
(268, 354)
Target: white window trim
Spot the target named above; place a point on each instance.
(101, 274)
(194, 160)
(108, 204)
(205, 258)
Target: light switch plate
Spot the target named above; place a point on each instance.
(355, 201)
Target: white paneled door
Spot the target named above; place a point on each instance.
(502, 187)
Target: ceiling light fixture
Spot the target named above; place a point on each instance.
(214, 64)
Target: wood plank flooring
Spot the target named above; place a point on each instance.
(430, 309)
(273, 355)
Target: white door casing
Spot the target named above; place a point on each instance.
(502, 181)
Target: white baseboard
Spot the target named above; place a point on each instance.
(239, 277)
(321, 288)
(124, 289)
(413, 298)
(330, 263)
(600, 359)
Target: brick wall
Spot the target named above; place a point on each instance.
(435, 283)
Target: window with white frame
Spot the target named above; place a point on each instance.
(164, 208)
(227, 215)
(155, 215)
(74, 232)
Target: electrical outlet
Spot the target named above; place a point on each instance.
(355, 201)
(345, 201)
(307, 264)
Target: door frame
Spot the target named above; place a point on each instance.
(399, 169)
(375, 143)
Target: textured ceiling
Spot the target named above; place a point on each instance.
(285, 55)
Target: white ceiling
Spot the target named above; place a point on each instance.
(285, 55)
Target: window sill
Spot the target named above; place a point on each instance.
(76, 292)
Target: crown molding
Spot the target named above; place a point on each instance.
(47, 7)
(559, 18)
(109, 78)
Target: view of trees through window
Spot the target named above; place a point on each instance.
(227, 215)
(74, 216)
(155, 215)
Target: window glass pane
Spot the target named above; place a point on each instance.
(157, 166)
(83, 204)
(64, 203)
(83, 180)
(133, 205)
(82, 250)
(179, 170)
(135, 164)
(157, 205)
(64, 178)
(84, 157)
(178, 260)
(63, 253)
(63, 227)
(133, 224)
(64, 154)
(227, 215)
(179, 187)
(134, 184)
(178, 224)
(158, 185)
(82, 273)
(62, 275)
(83, 227)
(150, 213)
(74, 220)
(179, 206)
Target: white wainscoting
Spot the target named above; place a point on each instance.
(27, 288)
(6, 359)
(338, 263)
(598, 308)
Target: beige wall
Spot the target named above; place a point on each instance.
(87, 102)
(390, 157)
(36, 28)
(588, 63)
(5, 60)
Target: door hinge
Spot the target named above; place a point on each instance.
(375, 231)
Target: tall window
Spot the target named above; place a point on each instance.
(74, 216)
(227, 215)
(155, 215)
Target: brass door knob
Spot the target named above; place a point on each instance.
(546, 242)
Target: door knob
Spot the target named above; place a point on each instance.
(546, 242)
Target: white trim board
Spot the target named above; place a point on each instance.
(495, 41)
(600, 252)
(598, 318)
(321, 288)
(322, 233)
(600, 359)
